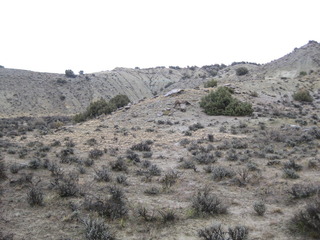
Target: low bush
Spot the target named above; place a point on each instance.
(3, 174)
(216, 232)
(35, 164)
(168, 216)
(103, 174)
(15, 168)
(221, 102)
(307, 221)
(5, 236)
(195, 127)
(119, 100)
(241, 71)
(142, 147)
(35, 196)
(67, 186)
(169, 179)
(95, 154)
(300, 191)
(121, 179)
(131, 155)
(302, 73)
(69, 73)
(119, 165)
(259, 208)
(210, 84)
(95, 229)
(292, 165)
(219, 173)
(154, 170)
(302, 95)
(290, 173)
(152, 191)
(205, 203)
(145, 214)
(101, 106)
(113, 207)
(204, 158)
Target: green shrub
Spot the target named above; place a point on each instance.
(260, 208)
(119, 100)
(307, 221)
(3, 168)
(206, 203)
(101, 106)
(302, 73)
(69, 73)
(96, 229)
(241, 71)
(211, 83)
(221, 102)
(302, 95)
(35, 196)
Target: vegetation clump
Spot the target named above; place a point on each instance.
(211, 83)
(241, 71)
(69, 73)
(302, 95)
(95, 229)
(206, 203)
(307, 221)
(101, 106)
(35, 196)
(260, 208)
(3, 174)
(216, 232)
(221, 102)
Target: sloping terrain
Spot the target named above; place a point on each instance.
(100, 154)
(161, 168)
(27, 93)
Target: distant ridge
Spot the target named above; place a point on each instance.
(28, 93)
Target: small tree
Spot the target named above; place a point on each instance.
(241, 71)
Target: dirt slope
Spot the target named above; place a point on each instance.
(259, 146)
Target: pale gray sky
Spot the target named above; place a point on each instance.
(97, 35)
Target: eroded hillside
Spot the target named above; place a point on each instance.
(27, 93)
(161, 168)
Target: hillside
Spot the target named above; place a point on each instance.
(159, 158)
(27, 93)
(160, 168)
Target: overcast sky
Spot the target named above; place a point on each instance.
(97, 35)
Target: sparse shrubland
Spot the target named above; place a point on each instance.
(307, 220)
